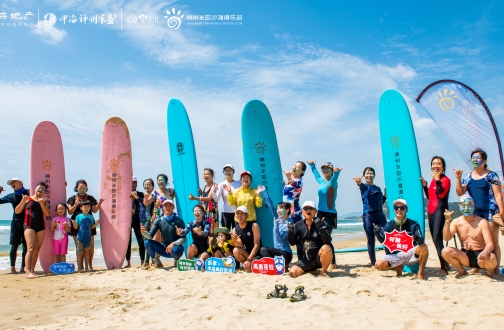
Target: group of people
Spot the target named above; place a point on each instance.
(308, 227)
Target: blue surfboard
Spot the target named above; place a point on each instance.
(400, 158)
(62, 268)
(183, 161)
(262, 159)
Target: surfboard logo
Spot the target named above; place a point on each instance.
(446, 100)
(395, 141)
(173, 18)
(260, 147)
(46, 165)
(180, 148)
(114, 164)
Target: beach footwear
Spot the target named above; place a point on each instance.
(298, 295)
(280, 292)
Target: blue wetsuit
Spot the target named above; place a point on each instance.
(166, 225)
(372, 214)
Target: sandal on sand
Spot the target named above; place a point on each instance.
(280, 292)
(298, 295)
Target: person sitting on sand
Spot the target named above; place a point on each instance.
(223, 246)
(475, 238)
(312, 239)
(171, 247)
(84, 223)
(397, 260)
(199, 229)
(246, 237)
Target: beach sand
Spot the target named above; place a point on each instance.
(353, 296)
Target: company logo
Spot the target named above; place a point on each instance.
(180, 148)
(50, 19)
(395, 142)
(446, 101)
(114, 164)
(174, 20)
(46, 165)
(260, 147)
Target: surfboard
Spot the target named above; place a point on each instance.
(262, 160)
(47, 163)
(62, 268)
(115, 188)
(400, 158)
(183, 161)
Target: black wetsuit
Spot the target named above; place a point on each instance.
(200, 241)
(17, 230)
(247, 237)
(33, 216)
(437, 194)
(135, 225)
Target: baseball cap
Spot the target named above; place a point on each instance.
(309, 203)
(242, 208)
(246, 173)
(327, 164)
(135, 178)
(228, 165)
(13, 179)
(400, 200)
(168, 201)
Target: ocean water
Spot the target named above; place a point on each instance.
(345, 227)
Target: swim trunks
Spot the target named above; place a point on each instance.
(473, 257)
(401, 258)
(309, 265)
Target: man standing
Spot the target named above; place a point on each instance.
(138, 210)
(397, 260)
(17, 231)
(227, 214)
(475, 238)
(312, 239)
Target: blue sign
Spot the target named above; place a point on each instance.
(218, 265)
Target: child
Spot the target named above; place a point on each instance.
(224, 246)
(60, 227)
(84, 222)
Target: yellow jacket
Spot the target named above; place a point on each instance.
(248, 198)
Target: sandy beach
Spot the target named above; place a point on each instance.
(354, 295)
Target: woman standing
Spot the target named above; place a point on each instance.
(437, 193)
(73, 202)
(372, 213)
(159, 196)
(484, 187)
(245, 196)
(35, 211)
(207, 200)
(146, 217)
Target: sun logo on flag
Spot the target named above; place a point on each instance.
(173, 21)
(395, 141)
(46, 165)
(114, 164)
(446, 100)
(260, 147)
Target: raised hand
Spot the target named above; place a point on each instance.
(287, 174)
(215, 187)
(424, 183)
(226, 188)
(197, 230)
(358, 180)
(101, 200)
(458, 173)
(448, 214)
(337, 169)
(1, 189)
(179, 230)
(210, 240)
(191, 197)
(134, 195)
(260, 189)
(311, 162)
(25, 199)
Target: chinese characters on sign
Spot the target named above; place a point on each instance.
(398, 241)
(399, 180)
(114, 196)
(15, 19)
(473, 127)
(48, 195)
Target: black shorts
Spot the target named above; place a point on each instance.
(473, 257)
(17, 232)
(201, 249)
(309, 265)
(227, 220)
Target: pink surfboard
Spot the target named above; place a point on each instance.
(47, 163)
(115, 187)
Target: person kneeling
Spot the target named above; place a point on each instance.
(475, 237)
(246, 237)
(167, 225)
(312, 238)
(418, 254)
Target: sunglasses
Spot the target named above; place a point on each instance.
(308, 208)
(41, 190)
(397, 207)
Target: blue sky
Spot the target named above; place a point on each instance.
(320, 67)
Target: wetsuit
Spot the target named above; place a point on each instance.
(17, 230)
(309, 243)
(139, 213)
(34, 216)
(166, 225)
(247, 237)
(437, 193)
(291, 194)
(481, 191)
(200, 241)
(372, 214)
(280, 235)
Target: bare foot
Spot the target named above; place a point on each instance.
(420, 277)
(31, 275)
(399, 271)
(332, 267)
(13, 270)
(442, 272)
(473, 271)
(460, 274)
(323, 273)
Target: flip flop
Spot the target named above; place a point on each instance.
(298, 295)
(280, 292)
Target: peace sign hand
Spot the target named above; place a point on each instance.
(458, 173)
(448, 214)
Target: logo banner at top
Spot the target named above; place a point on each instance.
(465, 119)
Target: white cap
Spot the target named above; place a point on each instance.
(228, 165)
(242, 208)
(400, 200)
(309, 203)
(168, 201)
(13, 179)
(135, 178)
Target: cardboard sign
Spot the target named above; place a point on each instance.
(398, 241)
(62, 268)
(269, 266)
(184, 265)
(220, 265)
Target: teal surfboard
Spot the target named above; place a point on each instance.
(400, 158)
(183, 161)
(262, 159)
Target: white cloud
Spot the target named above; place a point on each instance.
(49, 33)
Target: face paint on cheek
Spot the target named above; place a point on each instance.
(466, 209)
(280, 212)
(476, 162)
